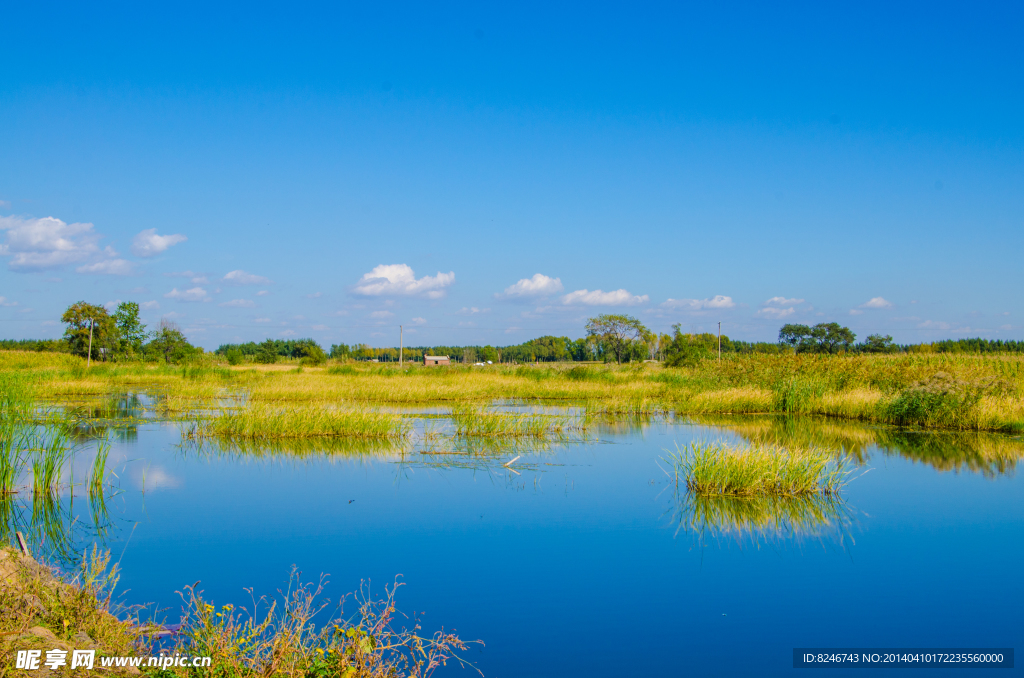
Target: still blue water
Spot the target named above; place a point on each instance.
(575, 567)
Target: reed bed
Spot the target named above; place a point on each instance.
(259, 421)
(764, 470)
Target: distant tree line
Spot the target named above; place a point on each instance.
(609, 338)
(271, 350)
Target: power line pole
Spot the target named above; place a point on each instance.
(88, 361)
(401, 344)
(719, 341)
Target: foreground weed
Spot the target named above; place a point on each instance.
(278, 638)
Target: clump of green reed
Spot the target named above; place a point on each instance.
(278, 638)
(51, 453)
(97, 478)
(262, 421)
(341, 369)
(585, 373)
(797, 395)
(942, 400)
(718, 469)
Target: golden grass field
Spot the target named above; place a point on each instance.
(858, 387)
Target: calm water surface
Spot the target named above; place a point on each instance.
(577, 566)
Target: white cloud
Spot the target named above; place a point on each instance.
(108, 267)
(783, 301)
(261, 320)
(319, 328)
(194, 294)
(239, 303)
(473, 310)
(243, 278)
(111, 305)
(315, 295)
(717, 301)
(775, 313)
(600, 298)
(381, 314)
(5, 204)
(419, 321)
(876, 302)
(854, 311)
(288, 333)
(149, 305)
(262, 293)
(538, 285)
(46, 243)
(4, 302)
(196, 278)
(148, 243)
(933, 325)
(399, 279)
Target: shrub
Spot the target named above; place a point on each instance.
(941, 400)
(267, 353)
(234, 356)
(312, 355)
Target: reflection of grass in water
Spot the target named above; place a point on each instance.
(764, 517)
(294, 447)
(850, 438)
(718, 469)
(989, 454)
(474, 422)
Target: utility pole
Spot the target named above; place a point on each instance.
(401, 344)
(88, 361)
(719, 341)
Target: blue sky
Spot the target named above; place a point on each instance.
(487, 174)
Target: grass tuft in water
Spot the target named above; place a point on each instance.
(718, 469)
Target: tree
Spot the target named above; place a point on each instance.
(79, 317)
(822, 338)
(832, 337)
(169, 344)
(876, 343)
(686, 350)
(618, 333)
(131, 332)
(267, 353)
(311, 354)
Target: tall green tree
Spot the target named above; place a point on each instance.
(79, 318)
(170, 345)
(130, 330)
(618, 333)
(822, 338)
(876, 343)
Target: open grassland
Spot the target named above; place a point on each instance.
(946, 391)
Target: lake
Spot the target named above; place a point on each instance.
(583, 560)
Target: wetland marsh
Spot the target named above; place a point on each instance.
(554, 527)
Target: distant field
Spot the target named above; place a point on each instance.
(953, 391)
